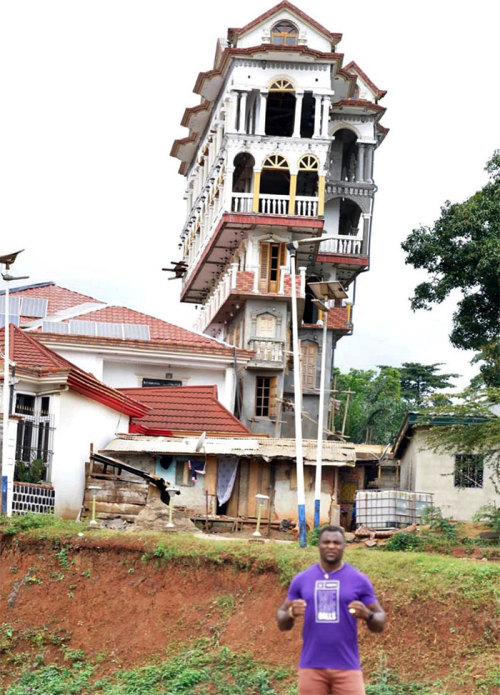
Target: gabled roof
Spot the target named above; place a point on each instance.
(78, 305)
(285, 5)
(36, 360)
(184, 410)
(354, 68)
(412, 421)
(58, 298)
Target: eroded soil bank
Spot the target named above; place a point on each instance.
(104, 597)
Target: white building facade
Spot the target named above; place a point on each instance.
(281, 148)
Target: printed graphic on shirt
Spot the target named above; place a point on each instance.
(326, 601)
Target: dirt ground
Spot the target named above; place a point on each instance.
(100, 596)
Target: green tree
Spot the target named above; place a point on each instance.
(462, 251)
(419, 381)
(375, 408)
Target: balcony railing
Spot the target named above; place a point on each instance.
(242, 202)
(305, 206)
(267, 349)
(352, 245)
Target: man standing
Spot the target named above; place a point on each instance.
(331, 596)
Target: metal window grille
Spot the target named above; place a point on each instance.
(35, 436)
(469, 470)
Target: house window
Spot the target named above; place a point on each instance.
(34, 432)
(284, 34)
(265, 396)
(469, 470)
(308, 353)
(272, 257)
(182, 473)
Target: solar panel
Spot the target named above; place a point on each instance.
(137, 331)
(109, 330)
(13, 305)
(55, 327)
(33, 306)
(13, 318)
(82, 327)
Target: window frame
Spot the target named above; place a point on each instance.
(265, 409)
(284, 29)
(468, 471)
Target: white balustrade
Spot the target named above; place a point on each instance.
(242, 202)
(306, 206)
(267, 349)
(348, 245)
(273, 204)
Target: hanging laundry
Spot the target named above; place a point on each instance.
(226, 475)
(197, 467)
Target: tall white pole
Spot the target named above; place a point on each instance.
(7, 472)
(301, 496)
(319, 446)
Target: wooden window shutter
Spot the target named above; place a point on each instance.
(273, 393)
(264, 266)
(309, 352)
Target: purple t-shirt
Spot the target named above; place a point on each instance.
(330, 632)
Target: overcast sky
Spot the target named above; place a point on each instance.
(92, 95)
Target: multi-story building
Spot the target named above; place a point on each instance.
(281, 148)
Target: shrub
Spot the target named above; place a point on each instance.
(488, 514)
(403, 541)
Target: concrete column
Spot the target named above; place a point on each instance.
(243, 111)
(325, 116)
(317, 116)
(256, 278)
(234, 276)
(283, 270)
(360, 162)
(261, 126)
(233, 111)
(229, 389)
(302, 273)
(369, 163)
(298, 114)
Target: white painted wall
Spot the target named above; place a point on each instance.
(88, 361)
(79, 422)
(423, 470)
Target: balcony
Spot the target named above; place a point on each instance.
(268, 352)
(341, 244)
(305, 206)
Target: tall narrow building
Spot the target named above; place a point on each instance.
(280, 148)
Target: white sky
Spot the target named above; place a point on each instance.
(92, 94)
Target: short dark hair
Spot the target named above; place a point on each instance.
(331, 529)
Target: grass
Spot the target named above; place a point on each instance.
(198, 669)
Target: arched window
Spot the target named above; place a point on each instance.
(280, 109)
(274, 185)
(284, 33)
(307, 179)
(344, 155)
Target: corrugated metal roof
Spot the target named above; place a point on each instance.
(334, 453)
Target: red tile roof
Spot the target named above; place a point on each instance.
(60, 298)
(33, 358)
(184, 409)
(159, 330)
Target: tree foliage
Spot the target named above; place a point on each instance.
(419, 381)
(375, 410)
(462, 251)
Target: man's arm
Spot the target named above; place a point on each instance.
(288, 612)
(373, 614)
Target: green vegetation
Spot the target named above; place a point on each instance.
(30, 472)
(489, 514)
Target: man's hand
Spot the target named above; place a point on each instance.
(289, 611)
(373, 615)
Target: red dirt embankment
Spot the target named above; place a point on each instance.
(102, 597)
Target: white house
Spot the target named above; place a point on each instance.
(58, 411)
(461, 483)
